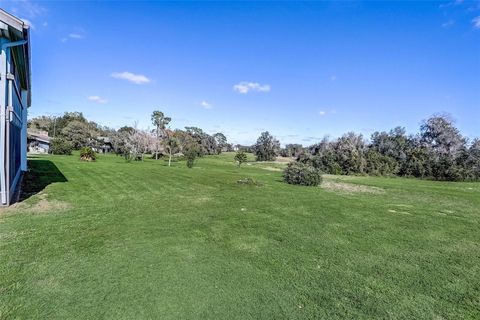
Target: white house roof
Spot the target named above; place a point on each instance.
(12, 21)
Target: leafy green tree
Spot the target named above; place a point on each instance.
(291, 150)
(439, 135)
(240, 157)
(349, 150)
(43, 123)
(472, 162)
(221, 141)
(160, 122)
(78, 133)
(378, 164)
(120, 139)
(206, 143)
(267, 147)
(191, 154)
(60, 146)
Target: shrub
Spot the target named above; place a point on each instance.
(60, 146)
(302, 174)
(240, 157)
(191, 155)
(87, 154)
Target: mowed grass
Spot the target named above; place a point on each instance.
(117, 240)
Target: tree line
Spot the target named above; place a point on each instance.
(72, 131)
(438, 151)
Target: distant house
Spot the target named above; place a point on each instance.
(15, 98)
(105, 145)
(38, 141)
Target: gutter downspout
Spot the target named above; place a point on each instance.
(4, 161)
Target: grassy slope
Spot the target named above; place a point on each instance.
(144, 241)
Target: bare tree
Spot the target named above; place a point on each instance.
(137, 142)
(172, 145)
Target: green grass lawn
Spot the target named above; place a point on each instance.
(117, 240)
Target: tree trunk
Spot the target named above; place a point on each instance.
(169, 159)
(156, 146)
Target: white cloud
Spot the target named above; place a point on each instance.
(27, 8)
(244, 87)
(206, 105)
(97, 99)
(135, 78)
(323, 113)
(476, 22)
(77, 36)
(450, 4)
(448, 24)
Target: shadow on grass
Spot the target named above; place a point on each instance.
(40, 174)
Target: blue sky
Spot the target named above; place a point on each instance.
(300, 70)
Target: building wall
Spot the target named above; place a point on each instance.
(14, 132)
(13, 126)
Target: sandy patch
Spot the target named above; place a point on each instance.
(44, 205)
(284, 159)
(350, 188)
(271, 169)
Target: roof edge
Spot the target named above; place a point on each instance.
(13, 21)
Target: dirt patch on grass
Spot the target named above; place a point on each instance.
(284, 159)
(350, 187)
(43, 205)
(271, 169)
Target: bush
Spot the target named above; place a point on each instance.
(302, 174)
(191, 155)
(240, 157)
(87, 154)
(60, 146)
